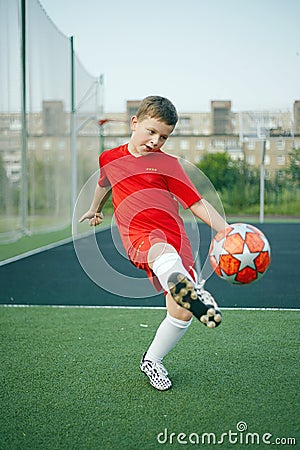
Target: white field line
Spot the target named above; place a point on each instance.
(138, 307)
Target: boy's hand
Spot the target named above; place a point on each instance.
(95, 218)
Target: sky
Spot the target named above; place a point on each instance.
(191, 51)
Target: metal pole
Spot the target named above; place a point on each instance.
(101, 134)
(101, 83)
(262, 183)
(73, 134)
(24, 189)
(102, 120)
(101, 124)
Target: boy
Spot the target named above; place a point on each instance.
(146, 186)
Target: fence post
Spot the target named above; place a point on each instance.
(24, 187)
(73, 134)
(262, 183)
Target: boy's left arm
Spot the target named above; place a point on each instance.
(209, 215)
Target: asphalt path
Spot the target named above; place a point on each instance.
(55, 276)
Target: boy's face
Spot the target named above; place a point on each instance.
(148, 135)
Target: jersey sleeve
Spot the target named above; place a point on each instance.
(103, 180)
(180, 185)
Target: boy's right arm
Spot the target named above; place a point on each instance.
(94, 214)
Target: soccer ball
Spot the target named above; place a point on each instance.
(240, 254)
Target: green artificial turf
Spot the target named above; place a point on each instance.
(70, 379)
(32, 242)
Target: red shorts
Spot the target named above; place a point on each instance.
(138, 254)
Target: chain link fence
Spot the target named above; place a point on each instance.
(47, 101)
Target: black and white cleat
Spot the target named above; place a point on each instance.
(194, 298)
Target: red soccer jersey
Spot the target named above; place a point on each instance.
(145, 193)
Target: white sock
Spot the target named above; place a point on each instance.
(165, 265)
(168, 334)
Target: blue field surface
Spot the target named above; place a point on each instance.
(55, 276)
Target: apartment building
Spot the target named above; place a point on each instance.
(240, 134)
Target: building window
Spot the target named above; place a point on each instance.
(280, 144)
(236, 156)
(251, 160)
(233, 143)
(184, 145)
(16, 125)
(185, 122)
(46, 145)
(199, 144)
(251, 145)
(169, 144)
(267, 160)
(184, 126)
(219, 144)
(281, 160)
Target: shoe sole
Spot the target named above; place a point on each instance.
(185, 295)
(152, 383)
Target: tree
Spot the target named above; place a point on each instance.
(293, 170)
(237, 183)
(219, 168)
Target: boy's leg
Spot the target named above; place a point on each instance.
(170, 331)
(164, 260)
(168, 334)
(175, 279)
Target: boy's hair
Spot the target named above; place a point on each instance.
(159, 108)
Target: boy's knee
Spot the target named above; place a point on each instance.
(177, 311)
(158, 249)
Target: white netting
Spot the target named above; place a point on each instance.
(48, 173)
